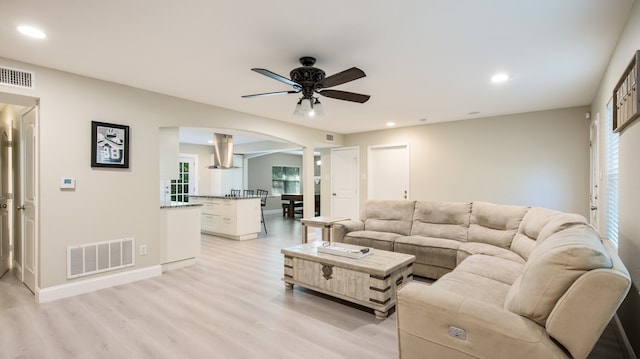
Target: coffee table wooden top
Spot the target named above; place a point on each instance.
(379, 263)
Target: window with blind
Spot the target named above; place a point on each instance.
(612, 179)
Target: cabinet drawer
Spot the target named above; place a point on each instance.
(210, 222)
(227, 225)
(211, 207)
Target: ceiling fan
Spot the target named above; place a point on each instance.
(311, 80)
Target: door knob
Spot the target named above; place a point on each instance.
(21, 208)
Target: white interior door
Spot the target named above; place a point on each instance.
(5, 197)
(345, 165)
(388, 172)
(595, 170)
(191, 171)
(27, 197)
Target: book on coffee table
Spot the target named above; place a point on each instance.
(344, 251)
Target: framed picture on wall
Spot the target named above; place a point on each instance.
(109, 145)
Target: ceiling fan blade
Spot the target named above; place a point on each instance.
(275, 76)
(270, 94)
(344, 95)
(351, 74)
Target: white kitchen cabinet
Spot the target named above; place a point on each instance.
(236, 218)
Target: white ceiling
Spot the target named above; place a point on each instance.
(424, 59)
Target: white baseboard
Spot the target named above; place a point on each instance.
(85, 286)
(178, 264)
(17, 270)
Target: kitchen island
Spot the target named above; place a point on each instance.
(230, 217)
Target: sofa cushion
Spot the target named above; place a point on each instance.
(559, 223)
(471, 248)
(377, 240)
(433, 251)
(538, 224)
(500, 269)
(495, 224)
(552, 268)
(474, 286)
(393, 216)
(441, 219)
(524, 241)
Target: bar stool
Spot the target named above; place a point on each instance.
(263, 194)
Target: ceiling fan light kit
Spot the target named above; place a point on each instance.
(303, 108)
(307, 108)
(311, 80)
(317, 108)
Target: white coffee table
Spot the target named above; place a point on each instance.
(370, 281)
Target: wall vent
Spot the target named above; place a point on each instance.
(329, 137)
(100, 257)
(16, 78)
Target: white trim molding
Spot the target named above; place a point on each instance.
(85, 286)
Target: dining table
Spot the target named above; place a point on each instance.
(293, 200)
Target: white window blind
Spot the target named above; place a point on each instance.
(612, 179)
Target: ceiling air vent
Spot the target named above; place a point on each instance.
(16, 78)
(329, 137)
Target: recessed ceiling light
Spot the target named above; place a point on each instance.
(32, 32)
(499, 78)
(391, 124)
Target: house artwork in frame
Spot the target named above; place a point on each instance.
(109, 145)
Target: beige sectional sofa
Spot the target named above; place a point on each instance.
(512, 281)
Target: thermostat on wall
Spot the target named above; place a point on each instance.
(67, 183)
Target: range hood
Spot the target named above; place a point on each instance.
(222, 151)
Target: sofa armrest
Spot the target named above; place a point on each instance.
(340, 229)
(443, 324)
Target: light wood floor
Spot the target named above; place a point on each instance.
(232, 304)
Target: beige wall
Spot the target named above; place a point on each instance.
(110, 204)
(538, 158)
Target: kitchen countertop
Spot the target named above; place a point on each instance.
(179, 205)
